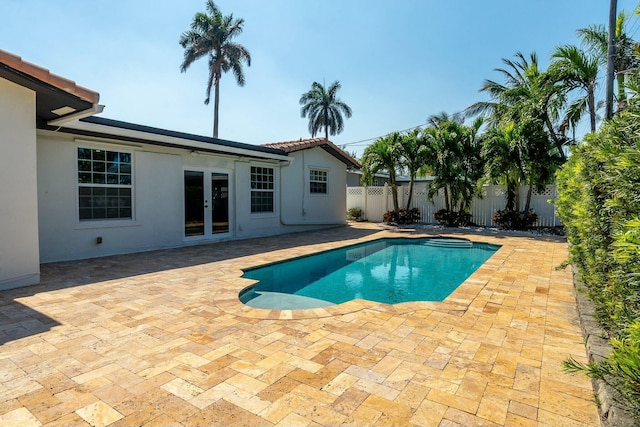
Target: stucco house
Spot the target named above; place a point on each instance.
(80, 186)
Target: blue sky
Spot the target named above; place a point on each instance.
(398, 62)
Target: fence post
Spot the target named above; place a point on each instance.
(366, 210)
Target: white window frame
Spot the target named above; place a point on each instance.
(79, 185)
(313, 169)
(262, 190)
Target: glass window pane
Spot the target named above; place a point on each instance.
(84, 153)
(112, 156)
(125, 179)
(112, 167)
(98, 178)
(85, 213)
(84, 165)
(84, 177)
(125, 168)
(98, 155)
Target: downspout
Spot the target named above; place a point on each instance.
(286, 222)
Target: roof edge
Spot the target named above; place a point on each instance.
(44, 75)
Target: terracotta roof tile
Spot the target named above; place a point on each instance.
(303, 144)
(44, 75)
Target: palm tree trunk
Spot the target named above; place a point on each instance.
(527, 205)
(410, 193)
(447, 206)
(555, 138)
(394, 193)
(592, 108)
(216, 103)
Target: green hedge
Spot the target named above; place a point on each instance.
(599, 204)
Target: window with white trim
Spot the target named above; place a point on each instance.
(262, 189)
(104, 184)
(317, 181)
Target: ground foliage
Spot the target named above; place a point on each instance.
(599, 204)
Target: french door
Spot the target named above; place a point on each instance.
(206, 204)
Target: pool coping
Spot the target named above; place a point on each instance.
(227, 297)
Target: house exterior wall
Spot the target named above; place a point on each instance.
(157, 203)
(158, 198)
(300, 207)
(19, 260)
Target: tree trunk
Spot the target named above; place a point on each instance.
(555, 138)
(447, 206)
(527, 205)
(410, 193)
(394, 193)
(592, 108)
(216, 103)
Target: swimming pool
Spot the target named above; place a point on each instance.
(390, 271)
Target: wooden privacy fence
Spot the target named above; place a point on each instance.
(375, 201)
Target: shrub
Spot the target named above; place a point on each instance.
(452, 219)
(507, 219)
(355, 213)
(599, 205)
(404, 216)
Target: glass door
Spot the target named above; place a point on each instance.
(206, 204)
(220, 203)
(194, 203)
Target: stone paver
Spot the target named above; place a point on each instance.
(160, 338)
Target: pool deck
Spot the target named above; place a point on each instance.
(161, 339)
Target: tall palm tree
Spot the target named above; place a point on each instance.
(596, 38)
(324, 109)
(212, 34)
(528, 93)
(577, 70)
(383, 155)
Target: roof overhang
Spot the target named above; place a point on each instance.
(99, 127)
(56, 97)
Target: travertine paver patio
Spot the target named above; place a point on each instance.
(159, 338)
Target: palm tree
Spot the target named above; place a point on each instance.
(324, 109)
(383, 155)
(212, 34)
(528, 92)
(519, 153)
(577, 70)
(596, 37)
(453, 156)
(413, 153)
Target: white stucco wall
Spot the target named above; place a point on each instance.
(158, 198)
(19, 261)
(302, 208)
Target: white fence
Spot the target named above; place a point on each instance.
(375, 201)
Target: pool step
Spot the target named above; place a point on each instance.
(449, 243)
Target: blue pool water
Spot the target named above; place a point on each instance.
(389, 271)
